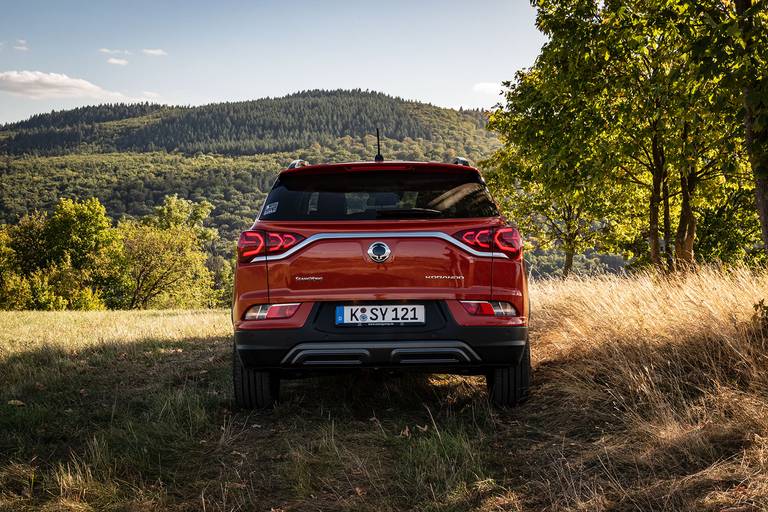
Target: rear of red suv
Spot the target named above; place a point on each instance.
(385, 265)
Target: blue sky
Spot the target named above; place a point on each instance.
(58, 54)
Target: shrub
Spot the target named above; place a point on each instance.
(74, 259)
(15, 291)
(163, 267)
(43, 294)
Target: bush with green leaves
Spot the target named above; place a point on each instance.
(163, 267)
(73, 258)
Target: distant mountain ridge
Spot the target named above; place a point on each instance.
(131, 156)
(260, 126)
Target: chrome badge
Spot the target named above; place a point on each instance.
(379, 252)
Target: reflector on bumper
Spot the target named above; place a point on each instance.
(488, 308)
(271, 311)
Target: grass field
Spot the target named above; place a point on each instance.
(649, 394)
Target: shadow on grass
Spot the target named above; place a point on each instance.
(149, 424)
(640, 426)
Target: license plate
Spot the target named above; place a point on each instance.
(374, 314)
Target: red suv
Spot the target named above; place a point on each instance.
(385, 265)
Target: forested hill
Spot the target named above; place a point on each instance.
(131, 156)
(261, 126)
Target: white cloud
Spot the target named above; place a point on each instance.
(154, 52)
(490, 88)
(117, 62)
(150, 95)
(21, 45)
(109, 51)
(39, 85)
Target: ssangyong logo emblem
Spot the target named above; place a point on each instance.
(379, 252)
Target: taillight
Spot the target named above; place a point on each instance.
(271, 311)
(250, 245)
(488, 308)
(506, 240)
(281, 242)
(260, 243)
(479, 238)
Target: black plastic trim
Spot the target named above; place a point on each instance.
(441, 343)
(377, 352)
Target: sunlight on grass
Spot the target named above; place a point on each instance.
(25, 330)
(649, 394)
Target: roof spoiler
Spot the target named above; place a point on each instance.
(461, 161)
(298, 163)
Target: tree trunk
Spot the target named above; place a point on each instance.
(569, 252)
(667, 224)
(686, 226)
(755, 134)
(760, 170)
(653, 220)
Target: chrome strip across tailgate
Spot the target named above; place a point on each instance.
(381, 234)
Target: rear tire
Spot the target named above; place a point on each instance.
(254, 389)
(509, 386)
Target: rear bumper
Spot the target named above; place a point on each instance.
(316, 346)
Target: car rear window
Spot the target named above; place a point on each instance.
(378, 195)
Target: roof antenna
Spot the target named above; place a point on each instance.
(379, 157)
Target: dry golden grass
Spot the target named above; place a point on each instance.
(28, 330)
(676, 368)
(650, 393)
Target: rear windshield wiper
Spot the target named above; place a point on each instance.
(409, 212)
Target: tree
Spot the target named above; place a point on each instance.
(80, 231)
(74, 259)
(162, 267)
(7, 255)
(730, 41)
(674, 128)
(27, 243)
(60, 260)
(163, 256)
(729, 229)
(629, 114)
(177, 212)
(753, 41)
(14, 289)
(542, 186)
(222, 271)
(573, 221)
(550, 175)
